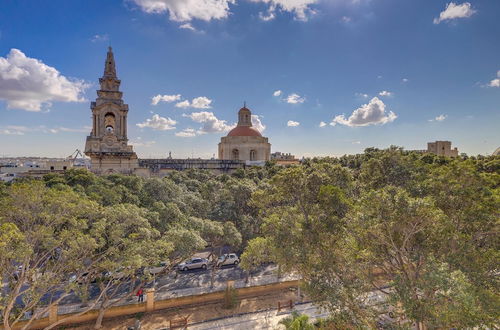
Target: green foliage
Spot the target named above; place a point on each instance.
(422, 226)
(297, 321)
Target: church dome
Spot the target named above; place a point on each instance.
(244, 131)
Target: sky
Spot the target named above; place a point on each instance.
(322, 77)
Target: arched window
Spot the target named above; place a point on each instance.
(253, 155)
(109, 122)
(236, 154)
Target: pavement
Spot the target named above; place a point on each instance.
(268, 319)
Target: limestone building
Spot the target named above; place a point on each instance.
(244, 143)
(107, 145)
(442, 148)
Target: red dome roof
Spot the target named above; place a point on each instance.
(244, 131)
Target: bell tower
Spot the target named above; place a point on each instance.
(107, 145)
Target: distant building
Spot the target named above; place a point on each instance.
(245, 142)
(284, 159)
(442, 148)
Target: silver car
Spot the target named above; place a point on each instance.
(228, 259)
(193, 263)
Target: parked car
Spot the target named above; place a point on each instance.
(228, 259)
(193, 263)
(153, 270)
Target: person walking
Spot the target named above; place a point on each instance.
(140, 295)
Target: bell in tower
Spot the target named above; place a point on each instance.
(107, 145)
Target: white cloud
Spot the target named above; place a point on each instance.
(277, 93)
(405, 80)
(200, 102)
(187, 132)
(187, 26)
(85, 129)
(257, 123)
(385, 93)
(295, 99)
(292, 123)
(495, 82)
(439, 118)
(454, 11)
(363, 95)
(165, 98)
(13, 130)
(210, 123)
(99, 37)
(356, 142)
(346, 19)
(300, 8)
(158, 123)
(322, 124)
(372, 113)
(139, 143)
(21, 130)
(27, 83)
(187, 10)
(183, 104)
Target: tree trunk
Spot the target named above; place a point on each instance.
(100, 316)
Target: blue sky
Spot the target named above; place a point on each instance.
(370, 72)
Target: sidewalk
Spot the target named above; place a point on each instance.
(259, 320)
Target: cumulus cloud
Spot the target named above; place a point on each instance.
(322, 124)
(454, 11)
(158, 123)
(207, 10)
(183, 104)
(292, 123)
(257, 123)
(300, 8)
(295, 99)
(277, 93)
(187, 132)
(27, 83)
(165, 98)
(372, 113)
(439, 118)
(200, 102)
(495, 82)
(187, 10)
(210, 123)
(385, 93)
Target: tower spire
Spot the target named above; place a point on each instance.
(109, 66)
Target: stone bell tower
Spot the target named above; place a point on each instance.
(107, 145)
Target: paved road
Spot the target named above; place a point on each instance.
(191, 282)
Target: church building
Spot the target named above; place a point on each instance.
(107, 145)
(244, 142)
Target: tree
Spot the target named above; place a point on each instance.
(46, 238)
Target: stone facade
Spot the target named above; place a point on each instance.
(107, 145)
(245, 142)
(442, 148)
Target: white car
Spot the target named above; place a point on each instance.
(193, 263)
(228, 259)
